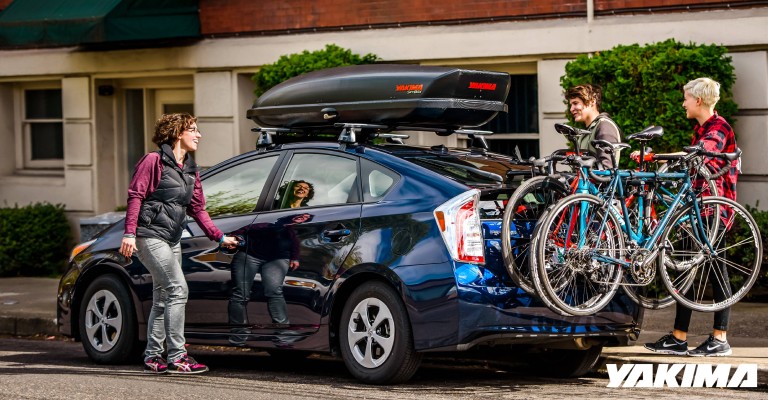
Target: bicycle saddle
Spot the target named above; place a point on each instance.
(651, 132)
(568, 130)
(609, 147)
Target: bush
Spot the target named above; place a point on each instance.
(643, 86)
(34, 240)
(760, 291)
(296, 64)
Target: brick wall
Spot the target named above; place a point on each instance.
(232, 16)
(618, 5)
(228, 17)
(4, 3)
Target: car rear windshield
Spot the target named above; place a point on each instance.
(471, 171)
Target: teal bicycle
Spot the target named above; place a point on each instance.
(585, 244)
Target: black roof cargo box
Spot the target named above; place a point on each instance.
(393, 95)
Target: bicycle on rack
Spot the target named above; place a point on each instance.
(579, 253)
(530, 201)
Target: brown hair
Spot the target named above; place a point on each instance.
(587, 93)
(169, 127)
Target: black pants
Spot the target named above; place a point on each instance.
(683, 313)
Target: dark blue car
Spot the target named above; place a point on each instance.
(399, 254)
(397, 248)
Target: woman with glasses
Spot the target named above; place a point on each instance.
(164, 189)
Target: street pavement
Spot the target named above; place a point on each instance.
(28, 308)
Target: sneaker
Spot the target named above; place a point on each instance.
(668, 344)
(711, 348)
(186, 365)
(155, 365)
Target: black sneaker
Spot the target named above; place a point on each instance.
(155, 365)
(668, 344)
(711, 348)
(186, 365)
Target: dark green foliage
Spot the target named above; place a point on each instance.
(296, 64)
(737, 233)
(35, 240)
(643, 86)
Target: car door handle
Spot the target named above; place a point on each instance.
(337, 233)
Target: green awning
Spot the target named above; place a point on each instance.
(48, 23)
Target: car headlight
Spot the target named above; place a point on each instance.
(79, 249)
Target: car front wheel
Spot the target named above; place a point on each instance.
(108, 322)
(376, 338)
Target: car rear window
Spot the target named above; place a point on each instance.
(469, 171)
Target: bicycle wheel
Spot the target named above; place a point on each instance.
(522, 213)
(711, 280)
(570, 275)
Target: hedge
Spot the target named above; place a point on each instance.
(291, 65)
(643, 86)
(35, 240)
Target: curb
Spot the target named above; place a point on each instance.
(25, 326)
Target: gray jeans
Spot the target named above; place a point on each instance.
(244, 269)
(169, 297)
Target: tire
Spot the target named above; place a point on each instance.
(655, 295)
(689, 267)
(562, 363)
(523, 211)
(108, 328)
(375, 336)
(569, 282)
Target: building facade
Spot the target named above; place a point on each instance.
(74, 118)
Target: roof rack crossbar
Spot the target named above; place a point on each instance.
(265, 136)
(473, 132)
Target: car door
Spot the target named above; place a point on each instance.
(322, 230)
(232, 195)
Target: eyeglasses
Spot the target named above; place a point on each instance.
(193, 130)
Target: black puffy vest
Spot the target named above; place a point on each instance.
(163, 212)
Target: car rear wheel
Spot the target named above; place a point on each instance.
(108, 322)
(376, 338)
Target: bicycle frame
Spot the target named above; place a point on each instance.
(684, 196)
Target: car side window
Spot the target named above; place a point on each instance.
(377, 180)
(317, 180)
(236, 190)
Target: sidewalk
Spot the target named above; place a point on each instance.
(748, 336)
(28, 308)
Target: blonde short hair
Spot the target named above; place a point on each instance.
(705, 89)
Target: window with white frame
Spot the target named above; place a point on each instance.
(42, 127)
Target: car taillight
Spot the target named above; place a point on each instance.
(459, 223)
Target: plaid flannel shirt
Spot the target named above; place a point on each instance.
(717, 136)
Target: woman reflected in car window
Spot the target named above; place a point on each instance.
(296, 194)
